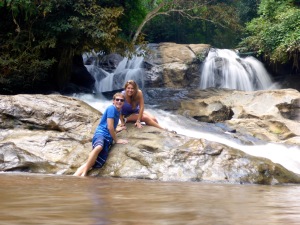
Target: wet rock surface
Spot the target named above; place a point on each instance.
(52, 134)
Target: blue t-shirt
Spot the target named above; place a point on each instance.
(102, 129)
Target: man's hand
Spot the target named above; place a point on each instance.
(122, 141)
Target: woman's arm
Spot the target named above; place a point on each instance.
(142, 107)
(122, 119)
(121, 115)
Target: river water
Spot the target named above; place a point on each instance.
(52, 199)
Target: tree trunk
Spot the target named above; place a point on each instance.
(63, 74)
(149, 16)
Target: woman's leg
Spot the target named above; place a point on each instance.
(147, 118)
(150, 120)
(151, 117)
(132, 118)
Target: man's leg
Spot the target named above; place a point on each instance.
(82, 170)
(79, 170)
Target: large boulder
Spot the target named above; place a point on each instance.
(80, 76)
(52, 134)
(270, 115)
(174, 65)
(159, 155)
(44, 133)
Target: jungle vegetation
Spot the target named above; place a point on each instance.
(275, 32)
(39, 38)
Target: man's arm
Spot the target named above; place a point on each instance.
(111, 129)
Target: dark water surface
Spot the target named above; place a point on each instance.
(46, 199)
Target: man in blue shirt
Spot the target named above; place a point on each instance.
(104, 136)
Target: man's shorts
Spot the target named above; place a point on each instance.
(106, 144)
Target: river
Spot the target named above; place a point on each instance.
(56, 199)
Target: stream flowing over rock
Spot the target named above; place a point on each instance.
(52, 134)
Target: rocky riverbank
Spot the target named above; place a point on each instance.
(52, 134)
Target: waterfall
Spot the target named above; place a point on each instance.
(223, 68)
(127, 69)
(99, 74)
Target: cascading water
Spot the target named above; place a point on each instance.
(223, 68)
(127, 69)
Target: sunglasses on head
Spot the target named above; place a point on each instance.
(119, 99)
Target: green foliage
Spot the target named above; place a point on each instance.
(246, 9)
(134, 13)
(276, 32)
(36, 36)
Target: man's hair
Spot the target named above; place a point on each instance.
(118, 94)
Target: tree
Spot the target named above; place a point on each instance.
(39, 38)
(275, 34)
(246, 9)
(207, 10)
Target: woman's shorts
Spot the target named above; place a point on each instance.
(106, 144)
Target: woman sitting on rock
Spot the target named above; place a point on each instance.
(133, 108)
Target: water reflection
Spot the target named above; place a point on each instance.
(45, 199)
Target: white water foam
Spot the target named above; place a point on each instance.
(127, 69)
(223, 68)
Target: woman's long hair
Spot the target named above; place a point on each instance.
(133, 98)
